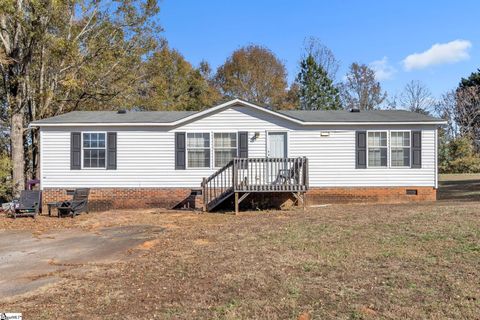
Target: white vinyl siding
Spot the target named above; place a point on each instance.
(146, 155)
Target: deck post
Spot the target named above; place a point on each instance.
(204, 194)
(236, 203)
(234, 175)
(306, 174)
(304, 200)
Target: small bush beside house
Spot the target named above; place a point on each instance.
(459, 156)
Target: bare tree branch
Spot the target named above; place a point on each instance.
(361, 90)
(416, 97)
(323, 56)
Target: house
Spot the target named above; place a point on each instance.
(152, 159)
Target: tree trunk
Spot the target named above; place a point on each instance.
(18, 158)
(35, 135)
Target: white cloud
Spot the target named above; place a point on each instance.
(439, 53)
(383, 71)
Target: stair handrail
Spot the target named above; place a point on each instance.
(218, 172)
(216, 184)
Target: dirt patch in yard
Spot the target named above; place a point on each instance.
(416, 261)
(29, 261)
(147, 245)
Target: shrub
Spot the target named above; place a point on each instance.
(469, 164)
(5, 178)
(459, 156)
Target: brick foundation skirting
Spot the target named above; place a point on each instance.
(370, 194)
(101, 199)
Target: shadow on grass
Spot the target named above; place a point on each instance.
(460, 190)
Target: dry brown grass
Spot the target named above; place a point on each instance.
(417, 261)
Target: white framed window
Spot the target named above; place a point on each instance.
(224, 147)
(93, 149)
(377, 149)
(198, 150)
(400, 148)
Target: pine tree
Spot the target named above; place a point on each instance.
(471, 81)
(317, 91)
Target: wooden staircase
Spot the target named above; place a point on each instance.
(242, 176)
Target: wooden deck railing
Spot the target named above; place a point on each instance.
(270, 174)
(255, 175)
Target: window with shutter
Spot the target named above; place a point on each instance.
(94, 149)
(224, 147)
(75, 151)
(416, 149)
(377, 149)
(400, 148)
(198, 150)
(111, 150)
(243, 144)
(180, 153)
(361, 149)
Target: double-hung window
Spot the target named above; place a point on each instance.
(225, 147)
(94, 150)
(377, 148)
(400, 148)
(198, 150)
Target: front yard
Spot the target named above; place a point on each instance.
(340, 261)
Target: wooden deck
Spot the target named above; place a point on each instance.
(242, 176)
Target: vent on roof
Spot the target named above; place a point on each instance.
(354, 110)
(122, 111)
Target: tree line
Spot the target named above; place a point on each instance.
(66, 55)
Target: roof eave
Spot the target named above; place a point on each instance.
(103, 124)
(100, 124)
(376, 123)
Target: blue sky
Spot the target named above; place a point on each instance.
(380, 33)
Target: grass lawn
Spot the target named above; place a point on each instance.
(418, 261)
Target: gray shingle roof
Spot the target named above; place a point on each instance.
(114, 117)
(166, 117)
(363, 116)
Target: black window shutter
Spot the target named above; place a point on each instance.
(243, 144)
(416, 149)
(111, 150)
(75, 151)
(243, 147)
(361, 150)
(180, 151)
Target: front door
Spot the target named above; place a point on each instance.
(277, 145)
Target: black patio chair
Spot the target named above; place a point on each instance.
(77, 205)
(28, 205)
(286, 176)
